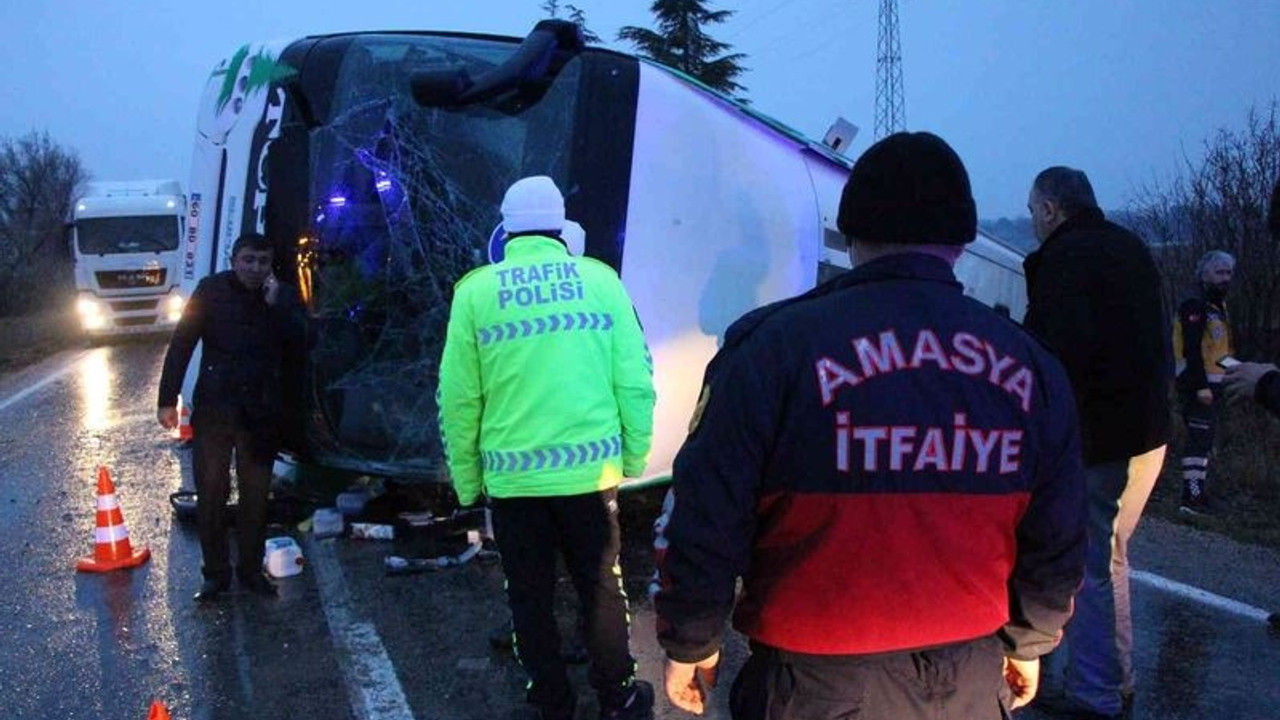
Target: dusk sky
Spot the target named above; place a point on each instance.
(1123, 89)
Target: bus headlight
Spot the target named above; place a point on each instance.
(173, 307)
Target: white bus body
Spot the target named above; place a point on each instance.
(377, 161)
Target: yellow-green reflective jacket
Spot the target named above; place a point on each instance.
(546, 385)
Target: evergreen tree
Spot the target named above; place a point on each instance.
(681, 43)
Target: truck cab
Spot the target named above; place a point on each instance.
(124, 239)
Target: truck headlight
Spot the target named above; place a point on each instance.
(87, 307)
(173, 306)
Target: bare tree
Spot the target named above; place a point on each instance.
(579, 17)
(576, 16)
(1220, 203)
(38, 181)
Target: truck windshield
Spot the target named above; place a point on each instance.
(116, 235)
(402, 202)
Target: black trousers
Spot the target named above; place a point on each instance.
(963, 681)
(1201, 421)
(212, 451)
(584, 530)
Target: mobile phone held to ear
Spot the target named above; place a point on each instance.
(1228, 362)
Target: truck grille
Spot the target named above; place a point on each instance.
(133, 305)
(119, 279)
(131, 321)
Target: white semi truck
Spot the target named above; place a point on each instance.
(124, 238)
(377, 164)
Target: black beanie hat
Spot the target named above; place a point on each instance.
(909, 188)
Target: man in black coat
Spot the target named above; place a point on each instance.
(1094, 297)
(243, 322)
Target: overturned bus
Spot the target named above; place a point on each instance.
(377, 162)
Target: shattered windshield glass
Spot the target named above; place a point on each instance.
(403, 200)
(114, 235)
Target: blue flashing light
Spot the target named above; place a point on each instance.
(337, 200)
(383, 185)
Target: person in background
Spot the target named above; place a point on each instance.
(546, 403)
(1094, 297)
(1201, 338)
(891, 468)
(244, 320)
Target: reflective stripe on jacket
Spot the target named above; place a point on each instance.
(546, 385)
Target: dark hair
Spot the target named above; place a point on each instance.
(1067, 187)
(251, 241)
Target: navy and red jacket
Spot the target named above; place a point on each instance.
(887, 465)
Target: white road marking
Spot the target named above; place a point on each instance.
(1235, 607)
(371, 680)
(42, 382)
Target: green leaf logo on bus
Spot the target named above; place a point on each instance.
(247, 74)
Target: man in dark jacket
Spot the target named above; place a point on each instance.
(243, 323)
(891, 468)
(1094, 298)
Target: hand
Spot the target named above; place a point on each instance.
(689, 684)
(168, 417)
(271, 289)
(1023, 679)
(1242, 380)
(1205, 396)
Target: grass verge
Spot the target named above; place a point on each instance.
(25, 339)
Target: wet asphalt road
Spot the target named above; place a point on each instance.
(345, 642)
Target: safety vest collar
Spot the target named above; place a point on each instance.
(527, 245)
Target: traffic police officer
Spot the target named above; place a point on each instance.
(891, 468)
(546, 403)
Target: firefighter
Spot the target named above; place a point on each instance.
(891, 468)
(1201, 338)
(546, 403)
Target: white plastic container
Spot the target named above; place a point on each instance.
(327, 522)
(352, 502)
(283, 557)
(372, 531)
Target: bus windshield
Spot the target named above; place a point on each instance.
(401, 201)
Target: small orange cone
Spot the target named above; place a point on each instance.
(158, 712)
(184, 433)
(111, 548)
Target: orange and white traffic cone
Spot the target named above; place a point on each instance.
(111, 548)
(184, 433)
(158, 712)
